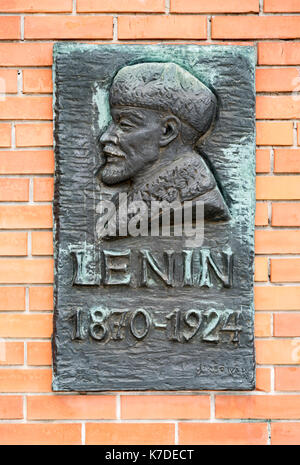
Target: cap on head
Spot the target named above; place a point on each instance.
(165, 87)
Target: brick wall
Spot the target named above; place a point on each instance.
(29, 411)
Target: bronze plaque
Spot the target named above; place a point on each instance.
(154, 217)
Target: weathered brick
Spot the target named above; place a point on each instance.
(287, 378)
(39, 353)
(17, 270)
(37, 80)
(278, 187)
(165, 407)
(257, 407)
(14, 190)
(10, 27)
(11, 407)
(35, 134)
(25, 216)
(263, 324)
(277, 79)
(42, 243)
(276, 242)
(277, 298)
(41, 298)
(25, 380)
(40, 434)
(26, 54)
(13, 243)
(287, 161)
(8, 81)
(286, 214)
(261, 269)
(223, 433)
(277, 107)
(277, 352)
(43, 189)
(285, 270)
(119, 6)
(35, 6)
(26, 108)
(274, 133)
(261, 214)
(71, 407)
(11, 353)
(263, 379)
(5, 135)
(68, 27)
(162, 27)
(286, 324)
(285, 433)
(25, 325)
(12, 298)
(262, 161)
(277, 6)
(214, 6)
(279, 53)
(256, 27)
(130, 433)
(27, 162)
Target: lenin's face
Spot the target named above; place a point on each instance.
(130, 143)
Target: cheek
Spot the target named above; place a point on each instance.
(142, 141)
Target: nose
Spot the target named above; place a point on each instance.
(109, 135)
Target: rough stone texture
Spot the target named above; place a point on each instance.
(82, 77)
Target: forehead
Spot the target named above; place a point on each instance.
(136, 113)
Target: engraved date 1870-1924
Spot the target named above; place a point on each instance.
(105, 325)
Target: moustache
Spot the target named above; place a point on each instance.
(110, 149)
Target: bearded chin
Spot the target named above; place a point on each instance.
(115, 174)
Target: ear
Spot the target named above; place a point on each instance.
(170, 129)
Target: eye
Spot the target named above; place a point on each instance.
(125, 123)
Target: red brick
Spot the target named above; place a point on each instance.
(261, 214)
(261, 269)
(277, 107)
(40, 434)
(11, 353)
(119, 6)
(130, 433)
(26, 54)
(277, 298)
(41, 298)
(258, 407)
(285, 270)
(14, 190)
(279, 53)
(262, 161)
(274, 133)
(263, 379)
(8, 81)
(298, 133)
(162, 27)
(13, 243)
(39, 353)
(42, 243)
(26, 108)
(10, 27)
(12, 298)
(278, 187)
(25, 380)
(277, 352)
(287, 161)
(277, 79)
(35, 6)
(286, 214)
(27, 162)
(286, 324)
(25, 325)
(214, 6)
(37, 80)
(223, 433)
(71, 407)
(43, 189)
(287, 378)
(5, 135)
(263, 324)
(32, 135)
(165, 407)
(11, 407)
(285, 433)
(25, 216)
(255, 27)
(19, 271)
(275, 242)
(277, 6)
(68, 27)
